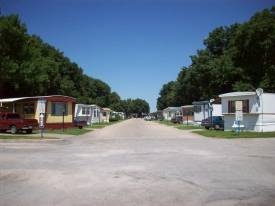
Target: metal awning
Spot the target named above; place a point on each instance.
(10, 100)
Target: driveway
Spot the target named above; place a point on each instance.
(138, 163)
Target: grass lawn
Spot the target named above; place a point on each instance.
(99, 125)
(187, 127)
(231, 134)
(103, 124)
(77, 131)
(24, 137)
(166, 122)
(179, 126)
(69, 131)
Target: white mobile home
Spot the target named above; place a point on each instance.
(203, 109)
(187, 113)
(96, 114)
(170, 112)
(89, 113)
(258, 111)
(105, 115)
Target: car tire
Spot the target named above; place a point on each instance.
(29, 131)
(13, 129)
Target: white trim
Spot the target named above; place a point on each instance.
(236, 94)
(8, 100)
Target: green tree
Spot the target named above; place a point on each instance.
(166, 96)
(254, 49)
(12, 52)
(240, 57)
(219, 40)
(113, 98)
(29, 66)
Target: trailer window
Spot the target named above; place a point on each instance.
(232, 106)
(28, 108)
(58, 108)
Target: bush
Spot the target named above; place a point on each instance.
(115, 118)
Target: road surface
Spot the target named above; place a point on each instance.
(138, 163)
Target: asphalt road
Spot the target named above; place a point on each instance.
(138, 163)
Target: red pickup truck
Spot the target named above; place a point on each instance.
(14, 123)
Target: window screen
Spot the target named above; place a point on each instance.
(58, 108)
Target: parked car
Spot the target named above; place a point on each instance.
(148, 118)
(215, 122)
(14, 123)
(177, 119)
(160, 118)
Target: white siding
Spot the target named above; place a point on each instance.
(261, 116)
(170, 112)
(168, 115)
(224, 105)
(217, 110)
(203, 114)
(91, 117)
(79, 109)
(266, 123)
(165, 115)
(95, 118)
(268, 103)
(253, 103)
(252, 122)
(249, 121)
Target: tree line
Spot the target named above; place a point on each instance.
(31, 67)
(239, 57)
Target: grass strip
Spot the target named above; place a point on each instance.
(232, 134)
(187, 127)
(104, 124)
(179, 126)
(69, 131)
(166, 122)
(98, 125)
(12, 137)
(76, 131)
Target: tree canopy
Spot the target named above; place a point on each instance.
(132, 106)
(239, 57)
(31, 67)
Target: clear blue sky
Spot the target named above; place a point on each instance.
(133, 45)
